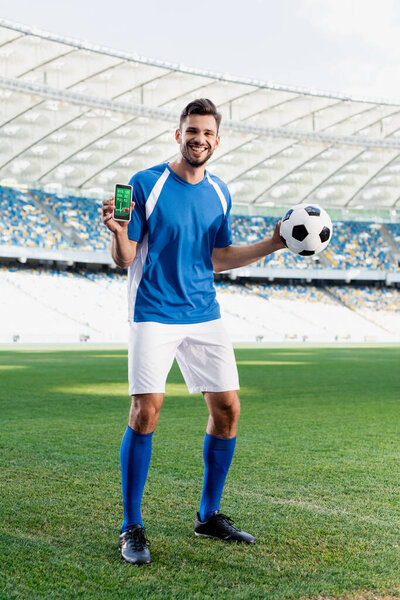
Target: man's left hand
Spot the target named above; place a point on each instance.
(276, 237)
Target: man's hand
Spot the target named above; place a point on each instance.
(108, 220)
(276, 238)
(123, 250)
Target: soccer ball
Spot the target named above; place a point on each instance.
(306, 229)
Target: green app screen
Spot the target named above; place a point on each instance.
(122, 202)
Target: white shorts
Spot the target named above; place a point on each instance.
(203, 351)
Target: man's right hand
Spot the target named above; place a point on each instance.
(108, 220)
(123, 250)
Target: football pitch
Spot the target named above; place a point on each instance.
(315, 478)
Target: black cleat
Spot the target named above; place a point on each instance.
(134, 546)
(220, 526)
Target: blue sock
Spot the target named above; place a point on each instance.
(135, 461)
(217, 454)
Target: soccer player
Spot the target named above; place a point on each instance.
(178, 235)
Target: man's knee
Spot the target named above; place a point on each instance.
(224, 407)
(229, 405)
(144, 412)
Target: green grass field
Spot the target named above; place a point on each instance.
(315, 477)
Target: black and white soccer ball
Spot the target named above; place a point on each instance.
(306, 229)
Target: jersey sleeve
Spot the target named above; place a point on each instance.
(224, 234)
(137, 226)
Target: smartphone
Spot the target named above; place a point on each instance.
(123, 202)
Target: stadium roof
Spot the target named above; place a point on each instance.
(81, 117)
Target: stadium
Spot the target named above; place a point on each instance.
(77, 118)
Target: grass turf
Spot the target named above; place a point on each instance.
(315, 477)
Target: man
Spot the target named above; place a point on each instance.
(178, 235)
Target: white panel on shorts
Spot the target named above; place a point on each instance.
(203, 351)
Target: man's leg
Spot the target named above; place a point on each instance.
(218, 449)
(135, 461)
(207, 361)
(136, 454)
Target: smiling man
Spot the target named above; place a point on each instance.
(179, 234)
(196, 153)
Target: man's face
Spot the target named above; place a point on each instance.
(197, 139)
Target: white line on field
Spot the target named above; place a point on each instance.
(311, 506)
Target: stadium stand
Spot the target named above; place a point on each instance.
(81, 214)
(59, 306)
(394, 229)
(76, 223)
(49, 305)
(378, 305)
(70, 306)
(303, 313)
(24, 224)
(358, 244)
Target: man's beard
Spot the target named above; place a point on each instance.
(195, 162)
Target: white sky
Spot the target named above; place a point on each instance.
(349, 46)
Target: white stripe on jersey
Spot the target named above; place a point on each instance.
(155, 193)
(220, 194)
(135, 271)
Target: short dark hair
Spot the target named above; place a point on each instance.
(201, 106)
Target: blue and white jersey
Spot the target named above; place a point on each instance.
(177, 225)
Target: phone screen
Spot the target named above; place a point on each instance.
(123, 200)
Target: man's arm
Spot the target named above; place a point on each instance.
(232, 257)
(123, 250)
